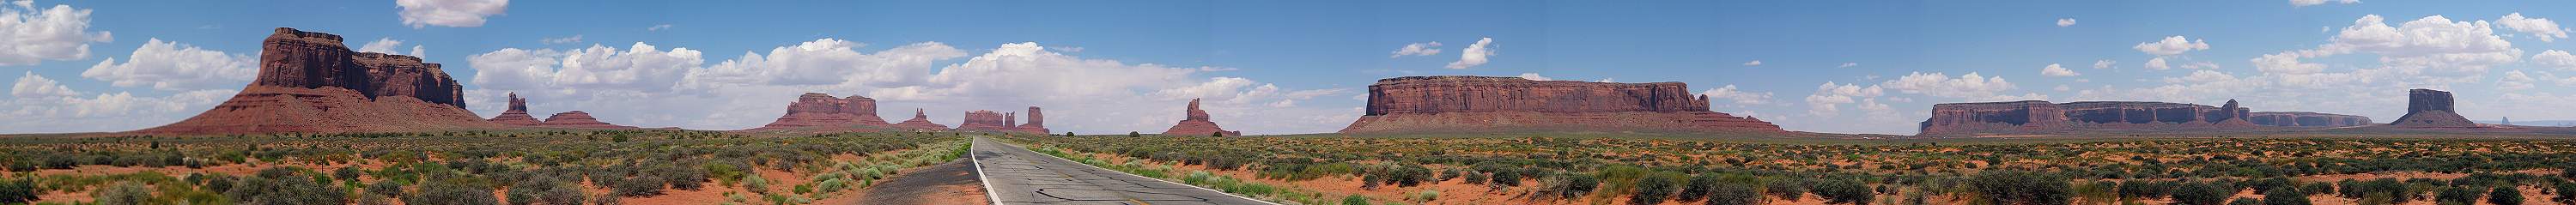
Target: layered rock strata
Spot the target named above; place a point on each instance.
(1195, 123)
(1505, 104)
(823, 110)
(2430, 108)
(309, 82)
(2042, 117)
(579, 120)
(2307, 119)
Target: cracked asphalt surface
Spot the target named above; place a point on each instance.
(1020, 176)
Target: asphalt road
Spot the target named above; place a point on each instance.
(1019, 176)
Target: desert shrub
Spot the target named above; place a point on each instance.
(2566, 193)
(2389, 189)
(1655, 188)
(1426, 195)
(1507, 177)
(349, 173)
(2505, 195)
(1699, 187)
(2245, 201)
(1844, 191)
(123, 193)
(2284, 197)
(1569, 185)
(285, 186)
(2201, 193)
(637, 186)
(682, 177)
(2458, 195)
(756, 184)
(17, 191)
(2019, 188)
(452, 191)
(1734, 193)
(2316, 188)
(546, 190)
(2141, 189)
(1786, 188)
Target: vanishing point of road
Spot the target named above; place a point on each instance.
(1015, 175)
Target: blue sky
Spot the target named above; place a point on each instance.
(1280, 67)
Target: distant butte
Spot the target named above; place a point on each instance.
(579, 120)
(824, 111)
(920, 122)
(309, 82)
(517, 115)
(2428, 108)
(1503, 104)
(1195, 123)
(2042, 117)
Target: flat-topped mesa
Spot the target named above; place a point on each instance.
(2428, 108)
(310, 82)
(823, 110)
(920, 122)
(984, 121)
(1505, 104)
(518, 113)
(2306, 119)
(2042, 117)
(579, 120)
(1195, 123)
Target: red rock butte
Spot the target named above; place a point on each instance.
(920, 122)
(578, 120)
(823, 110)
(2428, 108)
(989, 121)
(1434, 104)
(518, 113)
(2042, 117)
(311, 83)
(1196, 123)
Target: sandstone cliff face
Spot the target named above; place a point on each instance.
(309, 82)
(984, 120)
(1194, 122)
(920, 122)
(518, 113)
(1490, 104)
(2431, 108)
(2042, 117)
(2307, 119)
(823, 110)
(579, 120)
(1036, 125)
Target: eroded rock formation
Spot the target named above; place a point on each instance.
(920, 121)
(1037, 123)
(309, 82)
(1196, 123)
(1501, 104)
(580, 120)
(2430, 108)
(2042, 117)
(823, 110)
(2306, 119)
(518, 113)
(984, 120)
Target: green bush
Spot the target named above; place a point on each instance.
(2245, 201)
(1791, 189)
(1355, 200)
(2019, 188)
(2505, 195)
(1654, 188)
(1569, 185)
(17, 191)
(1699, 187)
(2141, 189)
(1734, 193)
(546, 190)
(1844, 191)
(2201, 193)
(2458, 195)
(452, 191)
(123, 193)
(349, 173)
(284, 185)
(2284, 197)
(2566, 193)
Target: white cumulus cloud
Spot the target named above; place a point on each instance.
(2304, 3)
(36, 86)
(173, 66)
(2542, 28)
(2174, 45)
(1417, 49)
(1475, 54)
(2064, 22)
(2055, 70)
(29, 35)
(449, 13)
(387, 46)
(1739, 97)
